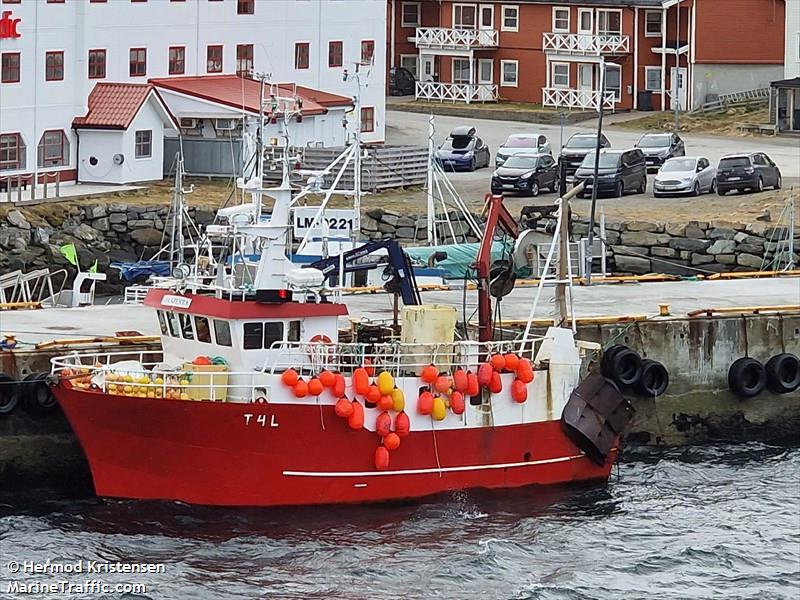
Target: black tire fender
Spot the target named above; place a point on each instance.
(652, 379)
(608, 355)
(783, 373)
(747, 377)
(37, 396)
(9, 394)
(625, 367)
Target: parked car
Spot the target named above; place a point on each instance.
(522, 143)
(747, 172)
(463, 150)
(527, 174)
(660, 147)
(576, 148)
(619, 171)
(401, 82)
(685, 175)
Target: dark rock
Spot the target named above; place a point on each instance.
(726, 259)
(701, 259)
(630, 250)
(645, 238)
(405, 233)
(722, 246)
(673, 267)
(664, 252)
(147, 237)
(632, 264)
(385, 228)
(721, 233)
(101, 224)
(750, 248)
(17, 219)
(749, 260)
(693, 245)
(645, 226)
(95, 211)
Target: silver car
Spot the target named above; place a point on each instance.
(522, 143)
(685, 175)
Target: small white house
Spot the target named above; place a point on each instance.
(121, 137)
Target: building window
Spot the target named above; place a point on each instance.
(410, 16)
(560, 20)
(97, 64)
(12, 151)
(614, 80)
(10, 67)
(54, 66)
(652, 79)
(367, 51)
(410, 62)
(246, 7)
(335, 54)
(559, 75)
(53, 149)
(144, 144)
(653, 23)
(214, 59)
(508, 73)
(510, 18)
(138, 62)
(177, 60)
(464, 16)
(367, 119)
(609, 22)
(461, 70)
(301, 55)
(244, 60)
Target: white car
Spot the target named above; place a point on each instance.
(522, 143)
(685, 175)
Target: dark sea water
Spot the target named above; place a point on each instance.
(712, 522)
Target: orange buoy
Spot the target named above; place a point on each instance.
(289, 377)
(512, 361)
(496, 384)
(429, 374)
(460, 382)
(519, 391)
(386, 402)
(338, 385)
(525, 371)
(300, 389)
(473, 387)
(361, 381)
(383, 424)
(457, 404)
(368, 366)
(315, 387)
(392, 441)
(381, 458)
(485, 374)
(425, 403)
(402, 424)
(498, 362)
(327, 378)
(373, 394)
(343, 408)
(442, 384)
(356, 420)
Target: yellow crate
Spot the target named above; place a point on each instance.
(201, 382)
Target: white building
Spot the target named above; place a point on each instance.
(791, 62)
(55, 52)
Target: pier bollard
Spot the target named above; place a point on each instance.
(663, 310)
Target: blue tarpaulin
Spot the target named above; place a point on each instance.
(142, 268)
(459, 256)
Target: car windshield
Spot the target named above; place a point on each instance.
(654, 141)
(583, 141)
(457, 143)
(521, 142)
(521, 162)
(680, 164)
(729, 163)
(607, 161)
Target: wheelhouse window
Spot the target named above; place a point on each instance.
(97, 64)
(144, 144)
(10, 67)
(335, 51)
(293, 334)
(174, 326)
(162, 322)
(53, 149)
(12, 151)
(54, 66)
(244, 60)
(222, 333)
(186, 326)
(203, 329)
(214, 59)
(273, 332)
(137, 62)
(177, 60)
(301, 55)
(258, 336)
(367, 51)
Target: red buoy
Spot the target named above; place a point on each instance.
(368, 366)
(315, 387)
(460, 382)
(300, 389)
(343, 408)
(429, 374)
(498, 362)
(473, 387)
(386, 402)
(496, 384)
(361, 381)
(402, 424)
(356, 420)
(519, 391)
(383, 424)
(338, 385)
(289, 377)
(512, 361)
(485, 374)
(525, 371)
(457, 404)
(425, 403)
(392, 441)
(373, 394)
(381, 458)
(442, 384)
(327, 378)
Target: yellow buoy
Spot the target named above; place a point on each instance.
(385, 383)
(398, 400)
(439, 409)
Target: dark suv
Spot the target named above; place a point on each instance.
(660, 147)
(619, 171)
(578, 146)
(747, 172)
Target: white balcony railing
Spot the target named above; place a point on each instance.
(583, 99)
(455, 39)
(456, 92)
(584, 44)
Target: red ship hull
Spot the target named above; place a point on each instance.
(229, 454)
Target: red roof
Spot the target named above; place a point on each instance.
(113, 105)
(243, 93)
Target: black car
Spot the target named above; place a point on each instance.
(747, 172)
(619, 171)
(576, 148)
(401, 82)
(660, 147)
(526, 173)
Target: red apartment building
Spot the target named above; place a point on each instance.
(554, 53)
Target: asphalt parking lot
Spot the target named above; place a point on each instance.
(412, 129)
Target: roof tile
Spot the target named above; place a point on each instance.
(113, 105)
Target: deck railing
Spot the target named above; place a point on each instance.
(571, 98)
(585, 44)
(442, 38)
(456, 92)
